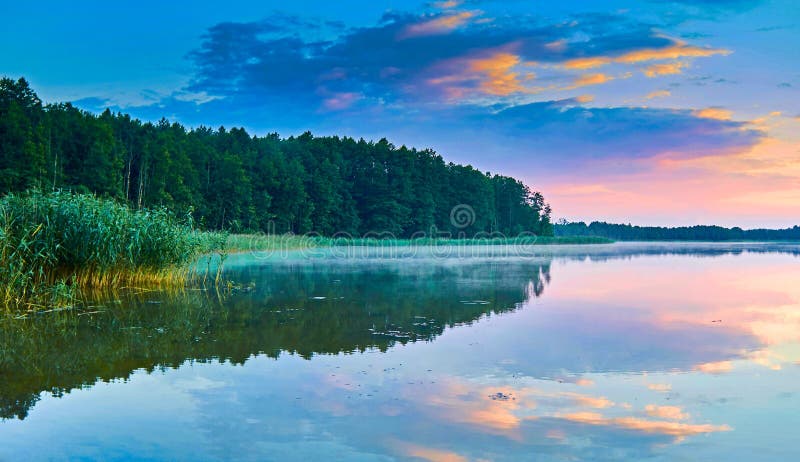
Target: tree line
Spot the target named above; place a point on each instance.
(623, 232)
(229, 179)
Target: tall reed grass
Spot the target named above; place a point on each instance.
(54, 245)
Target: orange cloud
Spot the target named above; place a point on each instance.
(585, 98)
(762, 122)
(658, 94)
(666, 412)
(480, 407)
(717, 367)
(492, 74)
(429, 454)
(656, 70)
(767, 358)
(499, 79)
(676, 429)
(677, 51)
(440, 25)
(660, 387)
(486, 409)
(668, 428)
(587, 63)
(589, 79)
(590, 401)
(714, 113)
(456, 402)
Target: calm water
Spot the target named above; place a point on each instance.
(615, 352)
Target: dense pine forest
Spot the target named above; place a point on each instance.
(629, 232)
(228, 179)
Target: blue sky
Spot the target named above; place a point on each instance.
(655, 112)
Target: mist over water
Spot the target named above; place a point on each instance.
(606, 352)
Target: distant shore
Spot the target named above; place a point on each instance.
(263, 242)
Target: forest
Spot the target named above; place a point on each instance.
(622, 232)
(228, 179)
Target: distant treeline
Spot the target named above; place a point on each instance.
(238, 182)
(629, 232)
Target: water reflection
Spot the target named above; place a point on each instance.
(302, 309)
(625, 352)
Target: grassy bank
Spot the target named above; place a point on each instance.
(57, 246)
(263, 242)
(54, 246)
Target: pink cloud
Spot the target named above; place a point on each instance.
(340, 101)
(439, 25)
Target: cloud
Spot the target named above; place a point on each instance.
(660, 427)
(666, 412)
(593, 402)
(677, 51)
(500, 80)
(567, 132)
(714, 113)
(656, 70)
(427, 453)
(501, 95)
(587, 63)
(439, 25)
(658, 94)
(673, 49)
(590, 79)
(716, 367)
(506, 410)
(446, 57)
(660, 387)
(489, 73)
(339, 101)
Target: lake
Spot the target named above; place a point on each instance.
(627, 351)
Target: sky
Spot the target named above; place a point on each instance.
(653, 112)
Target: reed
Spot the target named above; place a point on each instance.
(54, 245)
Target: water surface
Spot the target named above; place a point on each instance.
(605, 352)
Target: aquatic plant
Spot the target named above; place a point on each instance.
(54, 245)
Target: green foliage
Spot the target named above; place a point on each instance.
(52, 244)
(240, 183)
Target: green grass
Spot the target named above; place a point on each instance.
(256, 242)
(263, 242)
(55, 246)
(427, 241)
